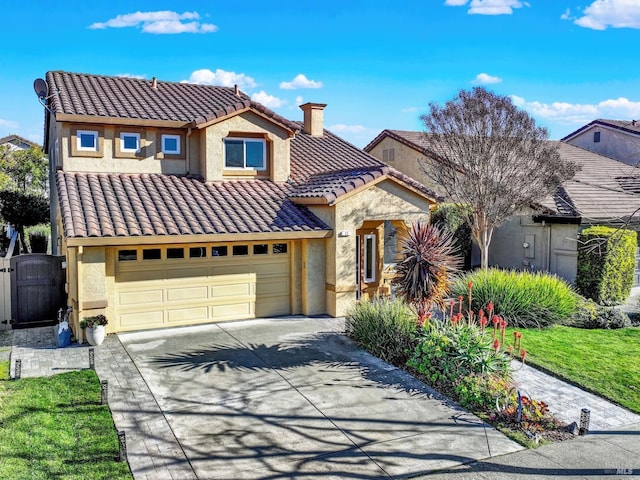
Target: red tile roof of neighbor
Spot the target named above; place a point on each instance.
(114, 205)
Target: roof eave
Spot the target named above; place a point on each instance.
(173, 239)
(73, 118)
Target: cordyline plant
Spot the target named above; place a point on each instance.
(428, 260)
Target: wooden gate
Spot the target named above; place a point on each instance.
(37, 289)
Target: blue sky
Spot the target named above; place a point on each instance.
(377, 64)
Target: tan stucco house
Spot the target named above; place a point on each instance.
(178, 204)
(617, 139)
(603, 192)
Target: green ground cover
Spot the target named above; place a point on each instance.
(603, 361)
(55, 427)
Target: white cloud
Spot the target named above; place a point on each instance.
(300, 81)
(410, 109)
(576, 113)
(485, 79)
(488, 7)
(566, 15)
(267, 100)
(222, 78)
(611, 13)
(131, 75)
(299, 100)
(342, 128)
(8, 123)
(160, 22)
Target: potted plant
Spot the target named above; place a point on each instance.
(94, 328)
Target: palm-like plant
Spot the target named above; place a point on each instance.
(423, 276)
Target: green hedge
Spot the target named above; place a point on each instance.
(524, 299)
(606, 261)
(456, 217)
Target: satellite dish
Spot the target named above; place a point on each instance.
(41, 88)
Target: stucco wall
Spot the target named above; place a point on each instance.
(552, 247)
(212, 146)
(385, 201)
(407, 160)
(613, 143)
(108, 163)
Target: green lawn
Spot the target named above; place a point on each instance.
(603, 361)
(56, 428)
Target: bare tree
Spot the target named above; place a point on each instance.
(490, 155)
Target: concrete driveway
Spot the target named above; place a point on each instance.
(293, 397)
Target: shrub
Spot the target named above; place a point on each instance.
(478, 392)
(386, 328)
(38, 236)
(448, 350)
(590, 315)
(606, 260)
(428, 259)
(523, 299)
(456, 218)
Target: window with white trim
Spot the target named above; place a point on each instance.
(369, 258)
(171, 144)
(245, 154)
(87, 140)
(129, 142)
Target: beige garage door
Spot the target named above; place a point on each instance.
(185, 285)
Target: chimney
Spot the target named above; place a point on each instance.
(313, 118)
(236, 90)
(154, 83)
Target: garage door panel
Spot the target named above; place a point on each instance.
(269, 307)
(140, 297)
(192, 274)
(271, 268)
(232, 311)
(140, 275)
(231, 269)
(193, 293)
(272, 286)
(142, 319)
(188, 315)
(239, 289)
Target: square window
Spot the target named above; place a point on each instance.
(87, 140)
(245, 154)
(152, 254)
(197, 252)
(279, 248)
(261, 249)
(127, 255)
(220, 251)
(171, 144)
(173, 253)
(241, 249)
(129, 142)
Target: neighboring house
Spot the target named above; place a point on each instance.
(15, 142)
(180, 204)
(618, 139)
(603, 192)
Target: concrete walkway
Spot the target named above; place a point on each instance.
(236, 400)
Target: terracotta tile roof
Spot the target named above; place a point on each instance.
(122, 205)
(328, 167)
(132, 98)
(628, 126)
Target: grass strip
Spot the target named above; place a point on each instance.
(55, 427)
(602, 361)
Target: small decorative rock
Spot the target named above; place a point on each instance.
(572, 428)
